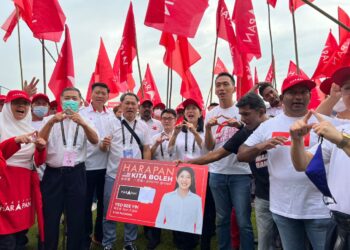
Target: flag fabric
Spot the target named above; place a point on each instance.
(270, 74)
(63, 73)
(272, 2)
(246, 29)
(344, 18)
(244, 83)
(10, 25)
(292, 70)
(122, 66)
(167, 40)
(190, 89)
(103, 73)
(316, 172)
(224, 30)
(180, 17)
(219, 67)
(150, 90)
(294, 4)
(327, 52)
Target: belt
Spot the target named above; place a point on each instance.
(66, 169)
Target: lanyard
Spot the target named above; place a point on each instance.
(162, 150)
(131, 137)
(193, 145)
(64, 135)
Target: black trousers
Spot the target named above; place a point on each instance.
(64, 190)
(95, 181)
(15, 241)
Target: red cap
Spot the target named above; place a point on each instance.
(341, 75)
(295, 80)
(16, 94)
(40, 96)
(53, 104)
(2, 97)
(159, 105)
(190, 101)
(326, 85)
(179, 108)
(146, 100)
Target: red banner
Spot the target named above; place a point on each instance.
(161, 194)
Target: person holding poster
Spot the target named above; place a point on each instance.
(182, 209)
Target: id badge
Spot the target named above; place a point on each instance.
(69, 158)
(128, 153)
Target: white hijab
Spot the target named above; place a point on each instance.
(10, 127)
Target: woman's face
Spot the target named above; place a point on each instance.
(184, 180)
(20, 108)
(192, 113)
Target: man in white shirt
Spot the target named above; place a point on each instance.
(229, 180)
(64, 184)
(125, 145)
(270, 95)
(296, 205)
(96, 160)
(146, 111)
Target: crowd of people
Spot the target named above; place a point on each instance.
(263, 144)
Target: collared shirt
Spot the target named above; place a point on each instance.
(104, 123)
(55, 146)
(180, 213)
(118, 148)
(162, 152)
(155, 126)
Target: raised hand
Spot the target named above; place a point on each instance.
(212, 122)
(301, 127)
(272, 143)
(58, 117)
(326, 129)
(31, 88)
(40, 143)
(27, 138)
(75, 117)
(335, 91)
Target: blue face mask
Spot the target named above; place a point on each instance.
(40, 111)
(70, 104)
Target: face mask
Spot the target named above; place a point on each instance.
(339, 106)
(40, 111)
(70, 104)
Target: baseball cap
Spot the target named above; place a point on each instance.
(340, 76)
(190, 101)
(326, 85)
(295, 80)
(2, 97)
(146, 100)
(160, 105)
(16, 94)
(40, 96)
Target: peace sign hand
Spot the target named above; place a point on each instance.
(301, 127)
(326, 129)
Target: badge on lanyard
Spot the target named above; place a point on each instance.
(128, 152)
(70, 155)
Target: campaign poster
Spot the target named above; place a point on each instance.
(159, 194)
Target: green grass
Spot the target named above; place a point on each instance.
(166, 240)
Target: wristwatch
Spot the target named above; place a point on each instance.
(344, 141)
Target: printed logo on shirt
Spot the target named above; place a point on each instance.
(289, 141)
(154, 127)
(224, 133)
(261, 160)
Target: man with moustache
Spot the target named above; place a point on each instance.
(146, 111)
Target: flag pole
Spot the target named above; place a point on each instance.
(295, 41)
(19, 48)
(326, 15)
(167, 87)
(48, 52)
(139, 69)
(213, 69)
(44, 62)
(171, 79)
(271, 45)
(58, 53)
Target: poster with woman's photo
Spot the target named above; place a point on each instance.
(159, 194)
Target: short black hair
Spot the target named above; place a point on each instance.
(100, 84)
(72, 89)
(228, 75)
(252, 100)
(263, 86)
(213, 104)
(129, 94)
(168, 111)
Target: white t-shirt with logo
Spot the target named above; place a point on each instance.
(162, 152)
(338, 172)
(228, 165)
(292, 194)
(155, 126)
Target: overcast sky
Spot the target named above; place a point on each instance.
(89, 20)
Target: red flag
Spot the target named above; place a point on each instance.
(256, 79)
(190, 88)
(180, 17)
(244, 83)
(225, 31)
(272, 2)
(344, 18)
(327, 52)
(167, 40)
(270, 74)
(246, 29)
(10, 24)
(219, 67)
(103, 73)
(340, 57)
(292, 70)
(294, 4)
(63, 74)
(150, 90)
(122, 66)
(48, 20)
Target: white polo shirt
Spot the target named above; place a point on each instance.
(104, 123)
(338, 172)
(162, 152)
(155, 126)
(228, 165)
(292, 194)
(130, 144)
(56, 148)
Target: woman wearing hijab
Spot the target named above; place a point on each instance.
(18, 192)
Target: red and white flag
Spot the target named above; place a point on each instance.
(270, 74)
(272, 2)
(150, 90)
(244, 83)
(219, 66)
(63, 73)
(256, 78)
(344, 18)
(180, 17)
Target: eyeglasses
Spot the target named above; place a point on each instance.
(168, 118)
